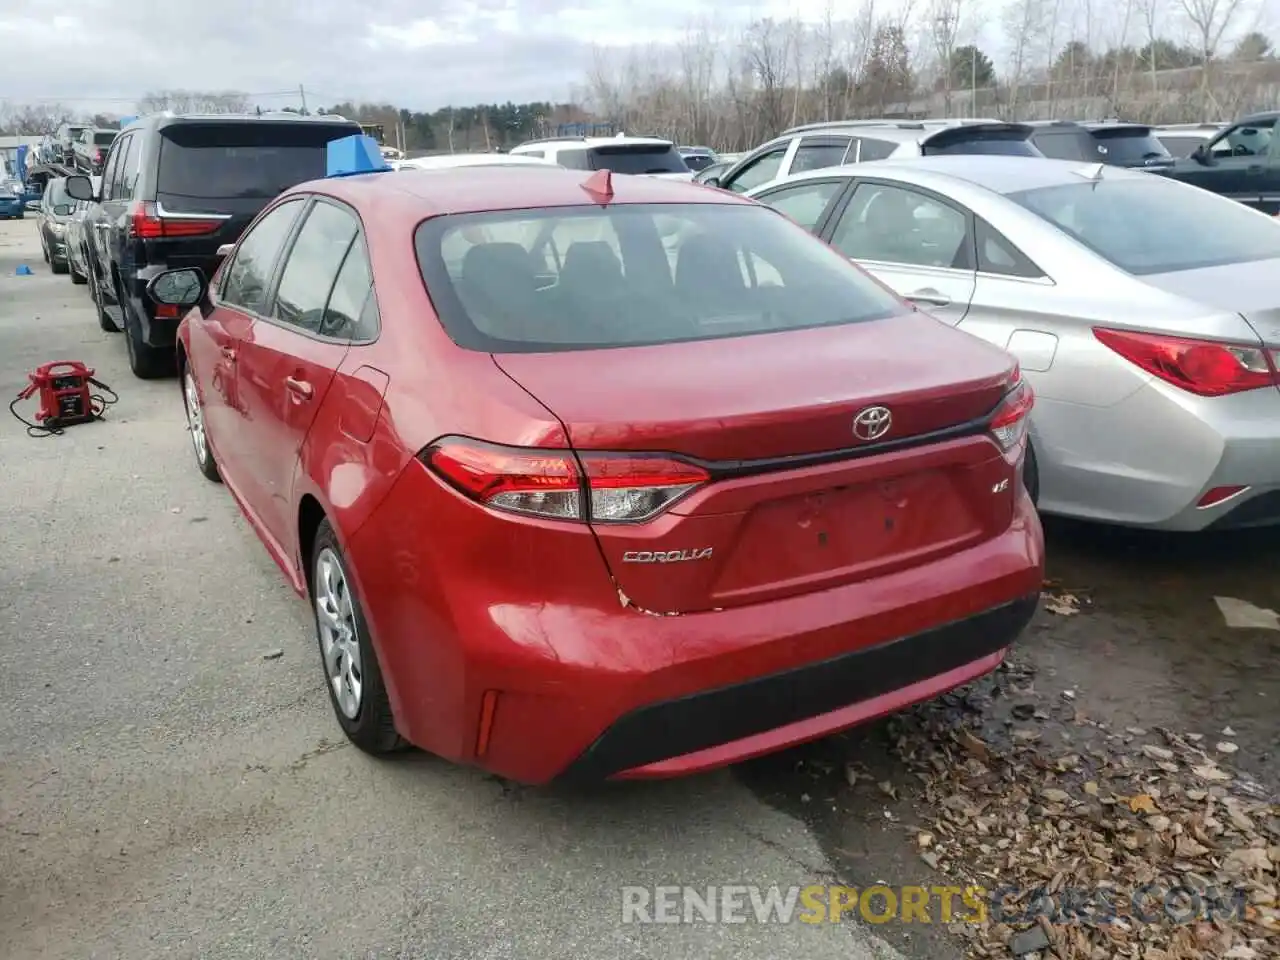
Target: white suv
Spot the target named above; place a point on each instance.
(647, 156)
(816, 146)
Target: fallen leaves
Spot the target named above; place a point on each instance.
(1072, 808)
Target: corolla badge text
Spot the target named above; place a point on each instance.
(666, 556)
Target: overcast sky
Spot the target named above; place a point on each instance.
(101, 55)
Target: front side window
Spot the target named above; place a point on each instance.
(312, 266)
(635, 274)
(247, 279)
(804, 203)
(1151, 225)
(1244, 140)
(759, 171)
(892, 224)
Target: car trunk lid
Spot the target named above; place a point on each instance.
(795, 499)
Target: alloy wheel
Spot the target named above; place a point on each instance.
(195, 419)
(339, 637)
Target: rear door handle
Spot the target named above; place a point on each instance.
(931, 297)
(299, 388)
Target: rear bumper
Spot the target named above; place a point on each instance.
(524, 661)
(1149, 460)
(732, 723)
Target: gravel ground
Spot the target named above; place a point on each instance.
(165, 791)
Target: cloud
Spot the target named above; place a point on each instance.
(103, 55)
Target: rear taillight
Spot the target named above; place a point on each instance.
(1009, 422)
(561, 485)
(97, 156)
(1204, 367)
(147, 224)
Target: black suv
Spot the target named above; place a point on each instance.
(1112, 142)
(176, 189)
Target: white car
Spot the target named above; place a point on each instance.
(450, 161)
(646, 156)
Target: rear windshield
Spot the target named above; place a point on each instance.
(637, 159)
(57, 192)
(104, 139)
(1132, 147)
(578, 278)
(1154, 225)
(247, 161)
(1008, 143)
(698, 161)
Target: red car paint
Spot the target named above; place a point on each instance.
(533, 647)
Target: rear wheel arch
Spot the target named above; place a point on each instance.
(310, 515)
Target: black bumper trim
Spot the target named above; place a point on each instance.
(673, 728)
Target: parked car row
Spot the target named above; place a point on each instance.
(783, 450)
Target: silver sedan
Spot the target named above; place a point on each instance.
(1144, 312)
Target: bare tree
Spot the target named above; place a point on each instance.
(1209, 19)
(195, 101)
(944, 20)
(767, 58)
(1026, 24)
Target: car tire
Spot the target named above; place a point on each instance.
(60, 267)
(44, 248)
(105, 320)
(146, 362)
(351, 670)
(1031, 475)
(76, 276)
(196, 426)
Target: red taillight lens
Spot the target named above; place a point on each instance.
(1009, 422)
(97, 156)
(559, 485)
(147, 224)
(1203, 367)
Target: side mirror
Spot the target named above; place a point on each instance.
(79, 188)
(225, 250)
(1201, 155)
(710, 181)
(177, 288)
(61, 210)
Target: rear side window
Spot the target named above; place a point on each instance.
(1011, 143)
(581, 278)
(312, 266)
(1143, 224)
(637, 158)
(255, 160)
(104, 139)
(1134, 146)
(352, 310)
(870, 149)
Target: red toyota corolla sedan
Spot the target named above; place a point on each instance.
(605, 476)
